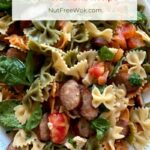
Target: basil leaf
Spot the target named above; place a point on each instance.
(105, 54)
(12, 71)
(35, 118)
(7, 114)
(101, 126)
(30, 67)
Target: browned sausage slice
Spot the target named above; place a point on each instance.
(83, 127)
(86, 109)
(122, 78)
(44, 133)
(70, 95)
(15, 53)
(10, 147)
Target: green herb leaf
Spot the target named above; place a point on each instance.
(93, 144)
(5, 5)
(101, 126)
(49, 146)
(52, 146)
(35, 118)
(135, 79)
(105, 54)
(7, 114)
(12, 71)
(30, 67)
(116, 68)
(141, 18)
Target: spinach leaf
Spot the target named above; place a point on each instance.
(7, 114)
(30, 67)
(12, 71)
(101, 126)
(35, 118)
(105, 54)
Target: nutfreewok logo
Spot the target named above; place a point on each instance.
(74, 10)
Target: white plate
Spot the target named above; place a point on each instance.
(5, 140)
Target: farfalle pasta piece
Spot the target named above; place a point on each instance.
(42, 48)
(19, 42)
(58, 62)
(43, 32)
(39, 90)
(145, 37)
(79, 70)
(37, 145)
(141, 116)
(141, 137)
(140, 141)
(90, 56)
(21, 140)
(121, 100)
(5, 22)
(71, 57)
(114, 133)
(94, 32)
(136, 58)
(107, 98)
(79, 33)
(22, 113)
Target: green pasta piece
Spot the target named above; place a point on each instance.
(43, 32)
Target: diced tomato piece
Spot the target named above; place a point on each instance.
(97, 70)
(135, 42)
(128, 30)
(103, 79)
(59, 126)
(120, 39)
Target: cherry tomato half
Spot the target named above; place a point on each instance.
(59, 126)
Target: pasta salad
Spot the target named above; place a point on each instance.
(74, 85)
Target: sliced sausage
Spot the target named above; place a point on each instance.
(44, 133)
(11, 147)
(15, 53)
(83, 127)
(87, 110)
(122, 78)
(70, 95)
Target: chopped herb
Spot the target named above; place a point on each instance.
(101, 126)
(116, 68)
(105, 54)
(135, 79)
